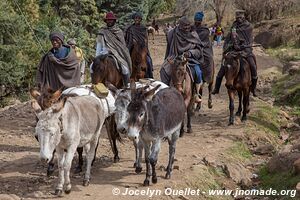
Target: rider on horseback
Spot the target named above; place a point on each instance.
(241, 33)
(138, 32)
(110, 40)
(184, 41)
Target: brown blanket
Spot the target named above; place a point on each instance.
(114, 39)
(58, 73)
(136, 33)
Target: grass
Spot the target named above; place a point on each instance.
(285, 54)
(278, 181)
(267, 117)
(239, 151)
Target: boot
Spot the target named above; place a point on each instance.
(217, 86)
(253, 86)
(197, 96)
(126, 80)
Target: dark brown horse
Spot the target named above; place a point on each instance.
(238, 79)
(181, 80)
(139, 60)
(105, 69)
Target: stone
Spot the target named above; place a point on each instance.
(296, 166)
(282, 162)
(298, 187)
(238, 173)
(176, 167)
(266, 149)
(286, 148)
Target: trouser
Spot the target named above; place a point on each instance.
(149, 71)
(198, 72)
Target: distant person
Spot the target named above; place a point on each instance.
(110, 40)
(138, 32)
(80, 56)
(219, 35)
(240, 38)
(59, 67)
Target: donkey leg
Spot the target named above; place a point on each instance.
(231, 106)
(210, 104)
(238, 113)
(172, 147)
(67, 166)
(139, 155)
(147, 153)
(50, 168)
(245, 104)
(198, 106)
(78, 168)
(153, 158)
(89, 159)
(61, 177)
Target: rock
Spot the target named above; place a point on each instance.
(282, 162)
(238, 173)
(296, 166)
(298, 187)
(285, 115)
(293, 127)
(176, 167)
(9, 197)
(294, 69)
(162, 168)
(210, 161)
(266, 149)
(286, 148)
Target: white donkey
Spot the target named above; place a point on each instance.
(72, 122)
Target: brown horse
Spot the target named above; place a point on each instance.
(238, 78)
(105, 70)
(181, 80)
(139, 60)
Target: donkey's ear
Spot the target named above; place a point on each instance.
(149, 95)
(132, 87)
(56, 95)
(36, 107)
(111, 87)
(58, 106)
(34, 93)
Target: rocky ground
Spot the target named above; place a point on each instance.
(214, 156)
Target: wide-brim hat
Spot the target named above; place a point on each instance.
(110, 16)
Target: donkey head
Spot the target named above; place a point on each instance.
(178, 66)
(137, 109)
(49, 129)
(45, 98)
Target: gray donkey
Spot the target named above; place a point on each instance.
(153, 118)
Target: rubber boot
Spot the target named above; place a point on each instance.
(217, 86)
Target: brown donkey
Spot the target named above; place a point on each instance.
(238, 78)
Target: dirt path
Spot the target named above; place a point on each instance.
(23, 175)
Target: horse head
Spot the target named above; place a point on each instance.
(231, 62)
(98, 68)
(139, 60)
(178, 74)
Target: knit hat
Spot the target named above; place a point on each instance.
(58, 35)
(137, 14)
(199, 16)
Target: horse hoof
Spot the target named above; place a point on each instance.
(238, 113)
(146, 182)
(50, 170)
(189, 130)
(138, 170)
(154, 180)
(244, 118)
(210, 105)
(78, 169)
(58, 192)
(135, 165)
(230, 124)
(168, 176)
(116, 159)
(68, 191)
(86, 182)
